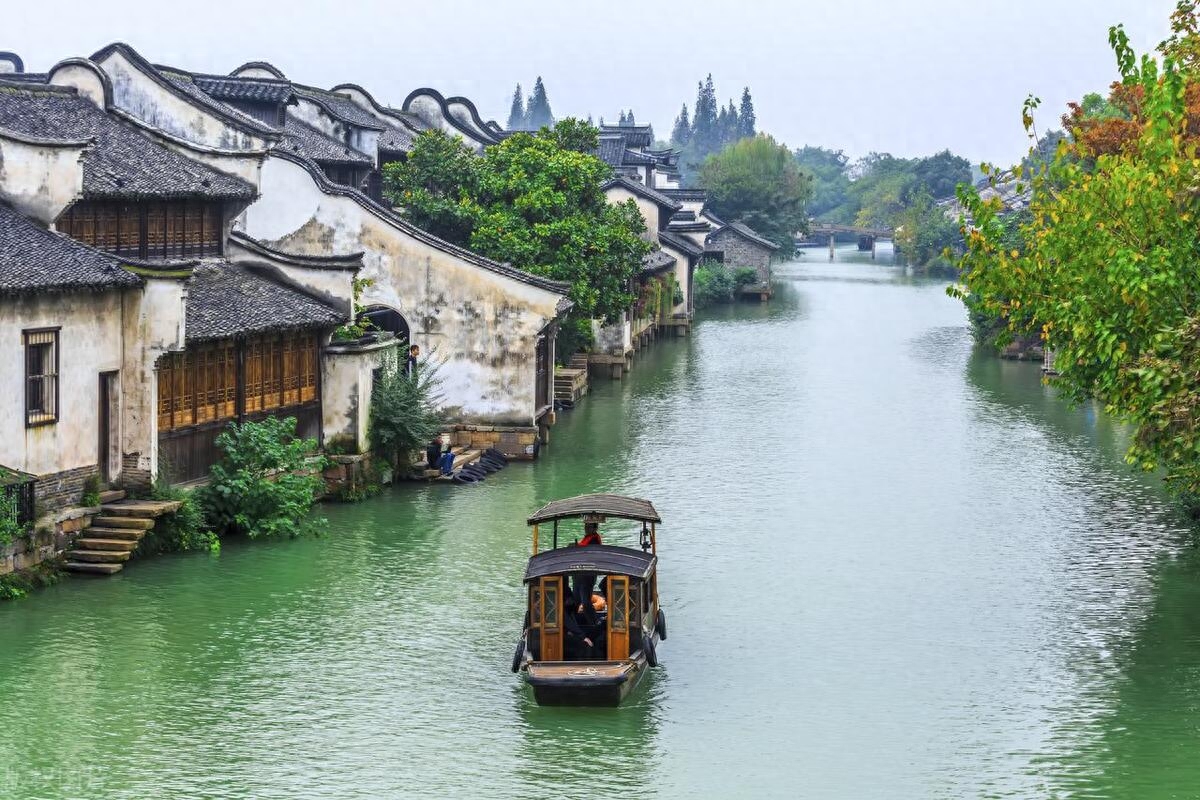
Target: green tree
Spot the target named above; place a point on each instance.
(681, 134)
(536, 201)
(747, 121)
(516, 114)
(436, 186)
(757, 181)
(705, 133)
(539, 115)
(1106, 271)
(831, 184)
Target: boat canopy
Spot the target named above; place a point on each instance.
(605, 505)
(600, 559)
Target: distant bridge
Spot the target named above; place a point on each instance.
(867, 237)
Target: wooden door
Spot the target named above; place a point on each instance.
(109, 444)
(551, 618)
(618, 617)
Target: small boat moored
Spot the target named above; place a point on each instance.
(593, 619)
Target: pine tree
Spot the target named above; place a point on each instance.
(621, 119)
(723, 127)
(681, 134)
(629, 119)
(732, 123)
(538, 114)
(704, 122)
(516, 116)
(747, 122)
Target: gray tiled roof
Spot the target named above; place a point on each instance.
(122, 162)
(185, 84)
(33, 259)
(635, 135)
(611, 150)
(680, 243)
(642, 190)
(657, 261)
(340, 107)
(683, 215)
(689, 227)
(397, 139)
(746, 232)
(258, 90)
(300, 137)
(226, 300)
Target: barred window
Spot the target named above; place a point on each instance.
(41, 377)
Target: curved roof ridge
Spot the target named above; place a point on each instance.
(227, 113)
(346, 261)
(14, 59)
(507, 270)
(444, 104)
(263, 65)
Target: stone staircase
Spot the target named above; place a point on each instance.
(105, 546)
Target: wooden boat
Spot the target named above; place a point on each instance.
(626, 622)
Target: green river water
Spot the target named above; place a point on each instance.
(892, 569)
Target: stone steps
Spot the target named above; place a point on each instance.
(91, 568)
(121, 545)
(128, 534)
(101, 556)
(143, 509)
(122, 522)
(114, 535)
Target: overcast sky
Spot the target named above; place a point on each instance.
(908, 77)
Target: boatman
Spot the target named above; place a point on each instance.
(584, 583)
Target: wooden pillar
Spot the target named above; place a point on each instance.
(874, 241)
(832, 244)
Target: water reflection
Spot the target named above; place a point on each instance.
(892, 568)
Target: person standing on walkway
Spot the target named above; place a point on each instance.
(410, 366)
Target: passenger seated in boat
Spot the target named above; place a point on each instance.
(585, 641)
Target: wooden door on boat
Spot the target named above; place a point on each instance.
(550, 595)
(618, 617)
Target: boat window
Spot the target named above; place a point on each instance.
(635, 605)
(535, 605)
(550, 606)
(618, 614)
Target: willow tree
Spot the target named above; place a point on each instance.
(1104, 269)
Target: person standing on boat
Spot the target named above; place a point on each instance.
(584, 583)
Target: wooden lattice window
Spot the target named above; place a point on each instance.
(200, 385)
(41, 376)
(152, 230)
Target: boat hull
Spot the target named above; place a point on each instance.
(584, 683)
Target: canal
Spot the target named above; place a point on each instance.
(892, 569)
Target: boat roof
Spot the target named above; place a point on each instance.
(608, 505)
(596, 558)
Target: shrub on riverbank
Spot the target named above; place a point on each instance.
(265, 483)
(404, 410)
(16, 585)
(714, 283)
(183, 531)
